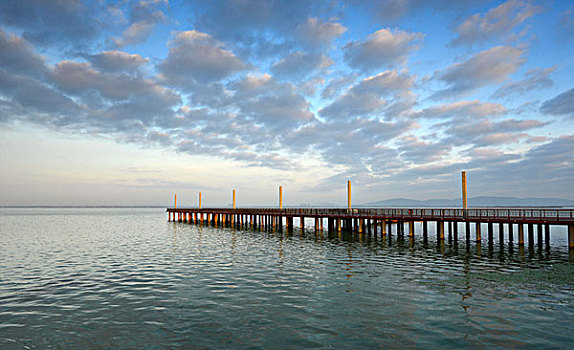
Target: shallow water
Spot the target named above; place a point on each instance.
(126, 278)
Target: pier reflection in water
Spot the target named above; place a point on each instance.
(131, 280)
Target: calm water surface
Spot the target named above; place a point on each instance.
(126, 278)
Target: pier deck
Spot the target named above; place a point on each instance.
(380, 219)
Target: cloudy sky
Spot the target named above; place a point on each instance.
(128, 102)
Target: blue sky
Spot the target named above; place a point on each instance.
(129, 102)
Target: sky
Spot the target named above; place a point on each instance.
(131, 102)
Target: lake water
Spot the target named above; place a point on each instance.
(127, 278)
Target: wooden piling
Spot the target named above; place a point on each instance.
(440, 230)
(490, 231)
(478, 232)
(520, 234)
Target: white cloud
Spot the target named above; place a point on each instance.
(381, 49)
(495, 23)
(117, 61)
(300, 64)
(196, 56)
(145, 16)
(563, 104)
(317, 34)
(368, 97)
(17, 56)
(536, 79)
(491, 66)
(462, 110)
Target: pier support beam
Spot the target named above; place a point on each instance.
(490, 231)
(478, 232)
(530, 234)
(425, 229)
(501, 232)
(383, 228)
(520, 234)
(411, 228)
(510, 232)
(455, 227)
(571, 237)
(547, 234)
(440, 230)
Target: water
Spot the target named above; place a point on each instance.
(126, 278)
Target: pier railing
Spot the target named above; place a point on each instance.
(526, 215)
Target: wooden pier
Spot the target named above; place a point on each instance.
(381, 220)
(513, 223)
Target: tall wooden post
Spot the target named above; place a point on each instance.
(280, 197)
(349, 196)
(464, 197)
(233, 199)
(199, 200)
(175, 202)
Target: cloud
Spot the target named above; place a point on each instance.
(486, 132)
(462, 110)
(381, 49)
(491, 66)
(279, 108)
(17, 56)
(196, 56)
(117, 61)
(384, 83)
(495, 23)
(351, 104)
(316, 34)
(358, 143)
(536, 79)
(412, 149)
(391, 11)
(562, 104)
(145, 16)
(59, 22)
(368, 96)
(300, 64)
(336, 84)
(34, 97)
(115, 102)
(241, 20)
(567, 22)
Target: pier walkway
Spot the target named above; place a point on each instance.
(382, 220)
